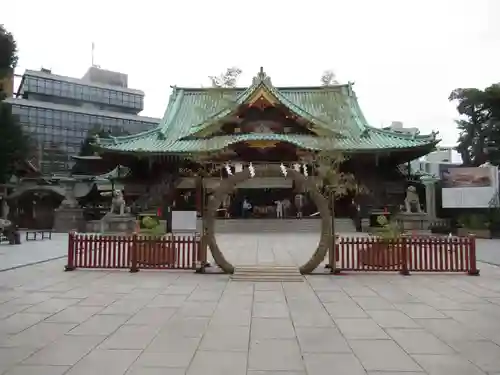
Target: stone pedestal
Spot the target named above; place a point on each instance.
(67, 219)
(93, 226)
(113, 223)
(413, 220)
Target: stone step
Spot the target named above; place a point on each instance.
(274, 270)
(255, 279)
(307, 225)
(267, 273)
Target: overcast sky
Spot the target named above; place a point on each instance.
(404, 56)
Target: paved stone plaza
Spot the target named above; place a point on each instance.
(159, 322)
(29, 252)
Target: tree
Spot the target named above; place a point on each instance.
(8, 52)
(14, 144)
(228, 79)
(493, 125)
(221, 95)
(479, 124)
(88, 148)
(329, 78)
(332, 181)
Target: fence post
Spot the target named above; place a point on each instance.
(201, 253)
(133, 254)
(333, 255)
(70, 266)
(473, 271)
(329, 256)
(404, 247)
(336, 254)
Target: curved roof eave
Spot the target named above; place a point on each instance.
(430, 137)
(162, 146)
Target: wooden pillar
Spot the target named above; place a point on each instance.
(201, 206)
(199, 194)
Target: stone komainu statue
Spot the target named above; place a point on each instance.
(412, 201)
(117, 203)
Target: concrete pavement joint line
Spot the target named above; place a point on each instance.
(45, 319)
(29, 306)
(33, 263)
(110, 334)
(206, 328)
(250, 326)
(490, 263)
(404, 313)
(133, 315)
(340, 331)
(294, 328)
(461, 288)
(387, 333)
(105, 337)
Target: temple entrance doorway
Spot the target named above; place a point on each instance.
(254, 241)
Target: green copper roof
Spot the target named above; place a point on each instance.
(191, 111)
(376, 140)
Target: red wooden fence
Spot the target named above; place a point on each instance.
(407, 254)
(134, 251)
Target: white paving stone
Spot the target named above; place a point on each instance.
(113, 322)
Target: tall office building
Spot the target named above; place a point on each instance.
(57, 112)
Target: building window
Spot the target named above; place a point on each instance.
(57, 88)
(86, 93)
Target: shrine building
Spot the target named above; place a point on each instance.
(207, 133)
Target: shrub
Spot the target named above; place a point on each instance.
(388, 230)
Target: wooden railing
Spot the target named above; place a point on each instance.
(407, 254)
(133, 252)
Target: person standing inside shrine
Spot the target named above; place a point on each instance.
(299, 205)
(185, 203)
(279, 208)
(356, 215)
(226, 206)
(246, 206)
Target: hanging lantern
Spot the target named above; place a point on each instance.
(228, 170)
(304, 167)
(283, 169)
(251, 169)
(296, 167)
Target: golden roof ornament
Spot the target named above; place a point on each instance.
(261, 77)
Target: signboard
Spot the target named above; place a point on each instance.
(453, 177)
(468, 187)
(184, 221)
